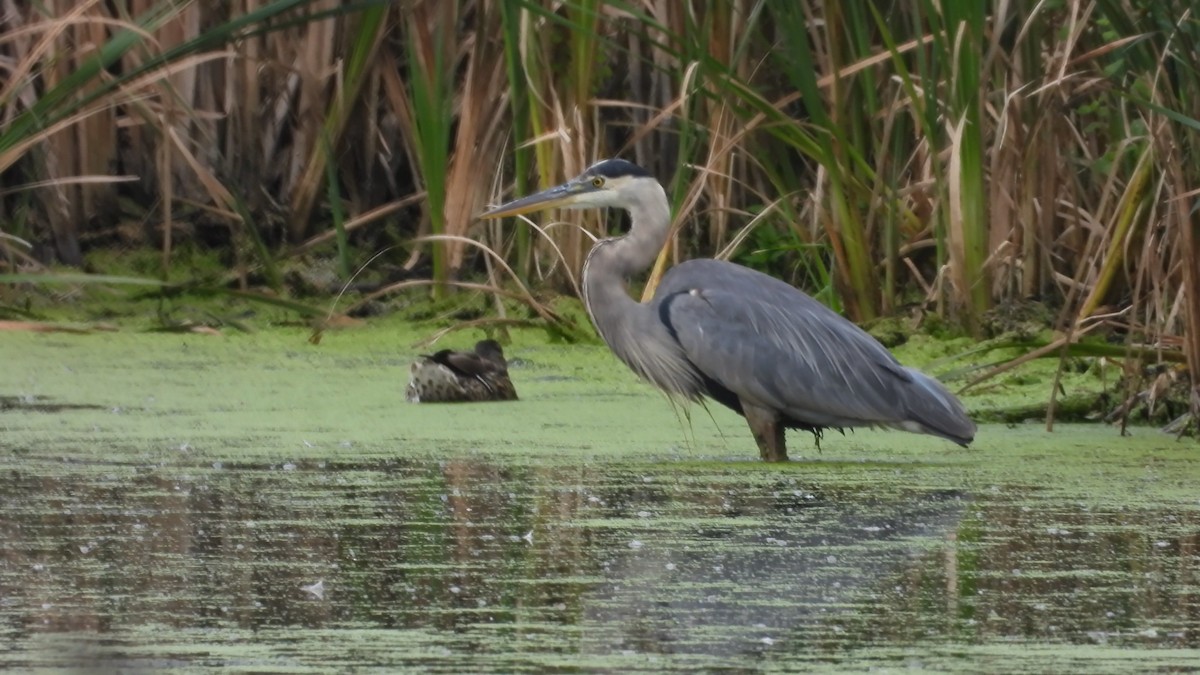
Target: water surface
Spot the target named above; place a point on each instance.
(254, 503)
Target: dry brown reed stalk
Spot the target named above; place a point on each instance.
(71, 149)
(350, 77)
(480, 135)
(1184, 234)
(315, 62)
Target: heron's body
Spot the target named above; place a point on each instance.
(747, 340)
(450, 377)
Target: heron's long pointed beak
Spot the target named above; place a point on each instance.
(561, 195)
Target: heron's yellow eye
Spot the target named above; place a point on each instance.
(598, 181)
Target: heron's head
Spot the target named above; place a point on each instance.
(611, 182)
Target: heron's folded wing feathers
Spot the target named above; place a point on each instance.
(774, 346)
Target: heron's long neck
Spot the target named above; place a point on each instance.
(613, 261)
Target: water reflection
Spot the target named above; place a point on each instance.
(472, 563)
(788, 581)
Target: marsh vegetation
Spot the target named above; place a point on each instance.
(1001, 191)
(946, 165)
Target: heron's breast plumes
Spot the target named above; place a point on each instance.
(661, 362)
(637, 336)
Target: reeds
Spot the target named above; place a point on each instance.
(949, 156)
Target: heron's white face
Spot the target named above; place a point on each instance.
(597, 192)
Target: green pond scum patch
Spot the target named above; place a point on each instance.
(253, 502)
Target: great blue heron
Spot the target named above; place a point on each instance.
(449, 376)
(749, 341)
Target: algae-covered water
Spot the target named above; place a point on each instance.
(257, 503)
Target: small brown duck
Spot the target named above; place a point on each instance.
(449, 376)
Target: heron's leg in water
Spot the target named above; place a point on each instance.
(768, 432)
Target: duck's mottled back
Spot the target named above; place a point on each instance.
(448, 376)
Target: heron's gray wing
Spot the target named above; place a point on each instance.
(777, 347)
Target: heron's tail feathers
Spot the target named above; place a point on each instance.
(932, 409)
